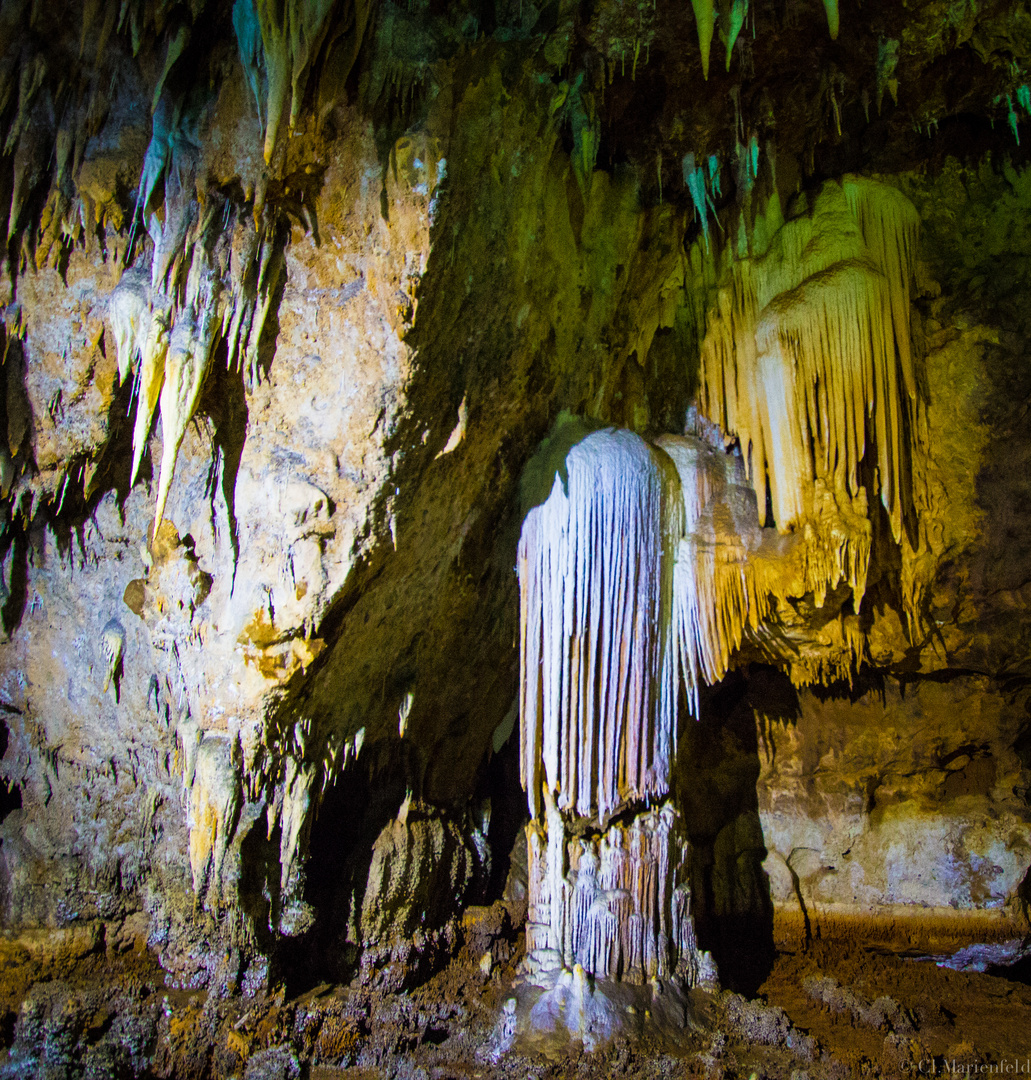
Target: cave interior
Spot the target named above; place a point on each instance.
(511, 546)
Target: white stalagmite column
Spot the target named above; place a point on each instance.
(644, 566)
(600, 683)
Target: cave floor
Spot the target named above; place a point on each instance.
(831, 1009)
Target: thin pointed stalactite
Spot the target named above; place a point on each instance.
(705, 18)
(831, 8)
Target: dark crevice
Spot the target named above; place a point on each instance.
(10, 794)
(499, 782)
(352, 814)
(715, 787)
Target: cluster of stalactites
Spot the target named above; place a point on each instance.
(622, 909)
(635, 576)
(732, 14)
(166, 333)
(599, 687)
(278, 43)
(807, 359)
(719, 590)
(220, 777)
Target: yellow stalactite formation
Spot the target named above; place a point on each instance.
(807, 359)
(186, 363)
(705, 17)
(151, 379)
(166, 339)
(719, 589)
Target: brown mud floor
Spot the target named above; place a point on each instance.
(826, 1010)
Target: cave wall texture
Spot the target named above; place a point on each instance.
(355, 259)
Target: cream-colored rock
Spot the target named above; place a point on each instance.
(214, 802)
(900, 802)
(262, 527)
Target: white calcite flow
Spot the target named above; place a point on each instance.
(606, 640)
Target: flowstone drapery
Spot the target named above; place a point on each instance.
(602, 661)
(599, 689)
(807, 358)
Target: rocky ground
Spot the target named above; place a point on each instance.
(833, 1008)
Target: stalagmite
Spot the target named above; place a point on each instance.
(599, 689)
(623, 906)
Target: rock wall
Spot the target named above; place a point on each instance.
(275, 494)
(902, 798)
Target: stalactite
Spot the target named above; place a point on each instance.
(807, 358)
(721, 587)
(599, 693)
(280, 41)
(165, 333)
(128, 312)
(294, 821)
(694, 178)
(831, 7)
(151, 379)
(213, 785)
(252, 53)
(186, 364)
(733, 13)
(705, 17)
(173, 51)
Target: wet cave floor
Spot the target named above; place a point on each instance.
(828, 1009)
